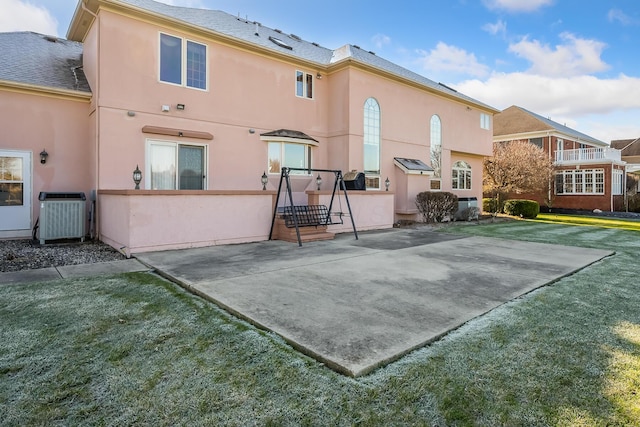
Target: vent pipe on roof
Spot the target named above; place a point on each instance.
(256, 33)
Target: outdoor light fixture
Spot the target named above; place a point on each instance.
(318, 76)
(43, 156)
(319, 181)
(264, 180)
(137, 177)
(387, 183)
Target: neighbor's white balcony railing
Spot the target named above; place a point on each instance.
(587, 155)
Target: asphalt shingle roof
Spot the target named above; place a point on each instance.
(515, 120)
(41, 60)
(242, 29)
(629, 147)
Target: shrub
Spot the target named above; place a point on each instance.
(436, 206)
(490, 205)
(467, 214)
(634, 203)
(522, 208)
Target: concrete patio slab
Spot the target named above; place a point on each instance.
(356, 305)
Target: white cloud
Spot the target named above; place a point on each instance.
(585, 103)
(380, 40)
(499, 27)
(22, 15)
(576, 56)
(621, 17)
(451, 59)
(517, 5)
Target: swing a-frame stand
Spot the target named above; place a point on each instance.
(298, 216)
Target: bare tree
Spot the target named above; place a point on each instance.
(518, 167)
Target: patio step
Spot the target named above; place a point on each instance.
(307, 234)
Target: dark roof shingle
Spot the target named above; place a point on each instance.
(40, 60)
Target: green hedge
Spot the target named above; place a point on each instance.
(522, 208)
(489, 204)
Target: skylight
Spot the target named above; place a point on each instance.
(280, 43)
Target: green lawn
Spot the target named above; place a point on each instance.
(623, 224)
(135, 349)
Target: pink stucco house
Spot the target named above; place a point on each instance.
(204, 103)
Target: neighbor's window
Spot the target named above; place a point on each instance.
(304, 85)
(580, 181)
(290, 155)
(174, 166)
(461, 176)
(485, 121)
(372, 144)
(183, 62)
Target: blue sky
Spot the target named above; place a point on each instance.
(574, 61)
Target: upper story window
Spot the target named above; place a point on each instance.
(372, 143)
(304, 85)
(175, 166)
(183, 62)
(436, 145)
(461, 176)
(485, 121)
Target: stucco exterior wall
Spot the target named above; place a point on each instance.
(57, 124)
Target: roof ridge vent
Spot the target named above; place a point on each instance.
(447, 87)
(293, 36)
(277, 30)
(356, 46)
(51, 39)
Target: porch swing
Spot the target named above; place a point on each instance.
(297, 216)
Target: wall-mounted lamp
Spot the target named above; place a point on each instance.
(264, 179)
(180, 107)
(43, 156)
(137, 177)
(252, 131)
(318, 181)
(318, 76)
(387, 183)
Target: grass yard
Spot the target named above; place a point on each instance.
(135, 349)
(623, 224)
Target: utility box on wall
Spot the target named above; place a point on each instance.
(62, 216)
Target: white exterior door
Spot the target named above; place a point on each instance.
(15, 192)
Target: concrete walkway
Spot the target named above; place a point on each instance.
(358, 304)
(72, 271)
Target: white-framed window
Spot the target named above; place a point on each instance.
(560, 143)
(304, 85)
(183, 62)
(580, 181)
(436, 145)
(289, 154)
(485, 121)
(372, 144)
(175, 166)
(617, 182)
(461, 176)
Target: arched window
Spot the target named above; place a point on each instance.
(372, 143)
(436, 146)
(461, 176)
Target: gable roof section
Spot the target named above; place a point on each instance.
(34, 59)
(267, 38)
(628, 147)
(515, 120)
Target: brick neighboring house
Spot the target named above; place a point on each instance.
(589, 173)
(630, 149)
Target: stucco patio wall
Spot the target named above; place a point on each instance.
(136, 221)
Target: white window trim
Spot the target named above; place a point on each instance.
(594, 173)
(285, 140)
(304, 85)
(468, 169)
(617, 182)
(485, 121)
(183, 69)
(147, 156)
